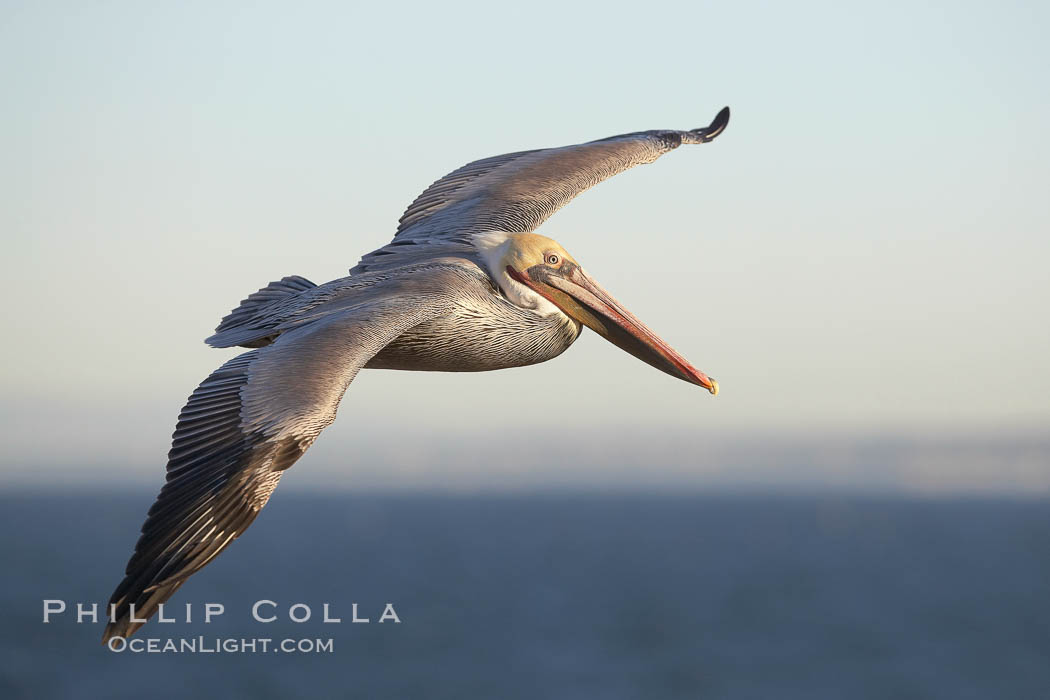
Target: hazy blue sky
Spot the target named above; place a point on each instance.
(863, 252)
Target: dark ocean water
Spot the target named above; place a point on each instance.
(558, 596)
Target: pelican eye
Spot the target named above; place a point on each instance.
(553, 259)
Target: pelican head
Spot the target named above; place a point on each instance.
(535, 272)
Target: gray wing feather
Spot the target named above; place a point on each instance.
(261, 318)
(517, 192)
(242, 325)
(253, 418)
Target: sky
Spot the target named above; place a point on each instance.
(861, 256)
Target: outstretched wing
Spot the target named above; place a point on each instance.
(252, 419)
(517, 192)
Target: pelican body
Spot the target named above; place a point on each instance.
(467, 285)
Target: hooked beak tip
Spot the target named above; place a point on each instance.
(701, 379)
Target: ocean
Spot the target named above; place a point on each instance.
(690, 595)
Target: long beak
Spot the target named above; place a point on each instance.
(579, 296)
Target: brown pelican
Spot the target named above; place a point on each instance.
(465, 286)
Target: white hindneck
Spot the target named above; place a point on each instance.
(494, 248)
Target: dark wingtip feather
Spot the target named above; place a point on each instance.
(145, 608)
(716, 127)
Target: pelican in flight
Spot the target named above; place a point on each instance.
(466, 285)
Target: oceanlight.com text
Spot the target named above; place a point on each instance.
(221, 645)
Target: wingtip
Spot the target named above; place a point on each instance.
(122, 628)
(110, 632)
(717, 125)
